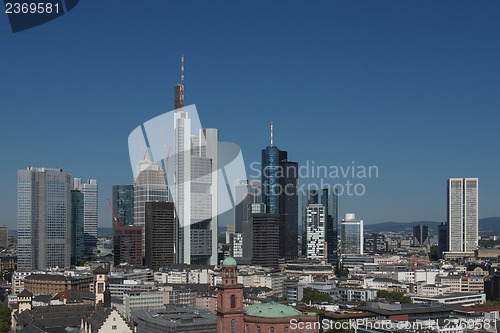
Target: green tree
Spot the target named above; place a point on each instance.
(313, 295)
(394, 295)
(345, 272)
(433, 253)
(4, 318)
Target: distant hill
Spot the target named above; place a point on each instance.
(489, 225)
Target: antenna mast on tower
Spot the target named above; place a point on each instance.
(271, 133)
(182, 82)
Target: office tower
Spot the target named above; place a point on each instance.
(271, 157)
(161, 235)
(315, 226)
(149, 185)
(463, 214)
(289, 205)
(195, 188)
(4, 236)
(421, 235)
(89, 190)
(375, 243)
(351, 235)
(265, 229)
(443, 239)
(77, 227)
(309, 197)
(229, 232)
(256, 208)
(330, 199)
(127, 245)
(246, 192)
(43, 218)
(123, 204)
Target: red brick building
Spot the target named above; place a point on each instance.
(272, 317)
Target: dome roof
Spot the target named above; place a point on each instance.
(272, 310)
(229, 261)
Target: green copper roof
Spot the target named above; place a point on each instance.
(229, 261)
(271, 310)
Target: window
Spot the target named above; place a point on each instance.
(271, 330)
(113, 327)
(246, 328)
(257, 330)
(233, 326)
(233, 301)
(287, 330)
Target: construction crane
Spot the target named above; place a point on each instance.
(118, 223)
(415, 267)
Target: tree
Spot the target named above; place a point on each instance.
(394, 295)
(4, 318)
(313, 295)
(345, 272)
(433, 253)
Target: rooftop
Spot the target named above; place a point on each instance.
(272, 310)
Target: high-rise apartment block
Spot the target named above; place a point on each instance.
(315, 225)
(43, 218)
(462, 214)
(90, 209)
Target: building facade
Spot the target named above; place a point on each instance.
(315, 225)
(127, 245)
(421, 235)
(352, 238)
(43, 218)
(195, 190)
(330, 199)
(90, 211)
(463, 214)
(265, 230)
(123, 203)
(77, 227)
(160, 234)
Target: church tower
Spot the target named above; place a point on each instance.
(230, 299)
(101, 291)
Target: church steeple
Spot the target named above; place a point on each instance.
(230, 300)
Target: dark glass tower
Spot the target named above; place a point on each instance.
(123, 204)
(289, 204)
(270, 178)
(421, 235)
(443, 239)
(330, 199)
(160, 234)
(77, 242)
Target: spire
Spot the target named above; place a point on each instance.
(271, 133)
(182, 82)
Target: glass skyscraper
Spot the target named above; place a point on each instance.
(123, 204)
(43, 218)
(77, 226)
(90, 207)
(330, 199)
(149, 185)
(271, 157)
(289, 205)
(352, 237)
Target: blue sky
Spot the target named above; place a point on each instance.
(411, 87)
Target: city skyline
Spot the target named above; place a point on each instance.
(402, 108)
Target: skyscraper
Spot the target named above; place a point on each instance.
(266, 239)
(421, 235)
(289, 201)
(149, 185)
(309, 196)
(315, 226)
(123, 203)
(4, 236)
(351, 235)
(195, 188)
(89, 190)
(463, 214)
(43, 218)
(256, 208)
(247, 192)
(127, 245)
(443, 239)
(160, 234)
(280, 195)
(77, 227)
(330, 199)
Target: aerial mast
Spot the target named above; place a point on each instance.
(182, 82)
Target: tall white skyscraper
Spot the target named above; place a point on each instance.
(90, 210)
(315, 224)
(149, 185)
(195, 191)
(43, 218)
(463, 214)
(351, 233)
